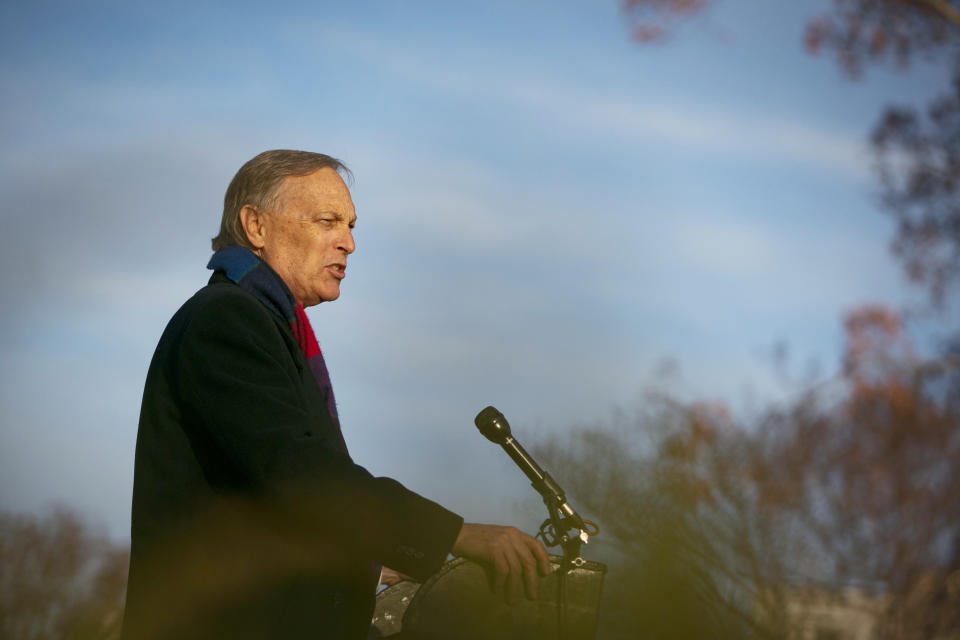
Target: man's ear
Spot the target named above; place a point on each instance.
(253, 226)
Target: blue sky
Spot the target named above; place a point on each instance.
(547, 211)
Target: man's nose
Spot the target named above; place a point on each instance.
(346, 243)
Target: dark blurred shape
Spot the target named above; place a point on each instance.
(59, 579)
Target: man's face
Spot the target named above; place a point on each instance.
(309, 236)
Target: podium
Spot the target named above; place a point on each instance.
(458, 603)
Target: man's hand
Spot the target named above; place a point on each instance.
(514, 556)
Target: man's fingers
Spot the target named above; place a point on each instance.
(501, 570)
(536, 561)
(530, 578)
(541, 555)
(516, 576)
(515, 557)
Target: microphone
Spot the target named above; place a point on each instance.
(496, 429)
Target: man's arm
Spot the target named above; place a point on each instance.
(254, 430)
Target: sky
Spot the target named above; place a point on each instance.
(547, 213)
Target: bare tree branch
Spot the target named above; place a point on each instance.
(942, 7)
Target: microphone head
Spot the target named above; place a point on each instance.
(493, 425)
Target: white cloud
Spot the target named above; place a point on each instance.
(623, 117)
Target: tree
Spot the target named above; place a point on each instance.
(60, 580)
(918, 155)
(653, 18)
(861, 32)
(688, 557)
(860, 476)
(711, 527)
(917, 152)
(869, 483)
(919, 169)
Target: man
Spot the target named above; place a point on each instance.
(250, 519)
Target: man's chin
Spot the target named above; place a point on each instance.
(329, 296)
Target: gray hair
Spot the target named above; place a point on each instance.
(257, 184)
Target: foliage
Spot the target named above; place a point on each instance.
(860, 478)
(652, 19)
(59, 579)
(714, 526)
(860, 32)
(917, 153)
(918, 156)
(919, 169)
(872, 479)
(687, 556)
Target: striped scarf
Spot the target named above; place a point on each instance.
(256, 277)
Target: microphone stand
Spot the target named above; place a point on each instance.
(555, 531)
(561, 517)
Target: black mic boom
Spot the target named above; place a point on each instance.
(496, 429)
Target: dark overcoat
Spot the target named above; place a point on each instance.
(250, 520)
